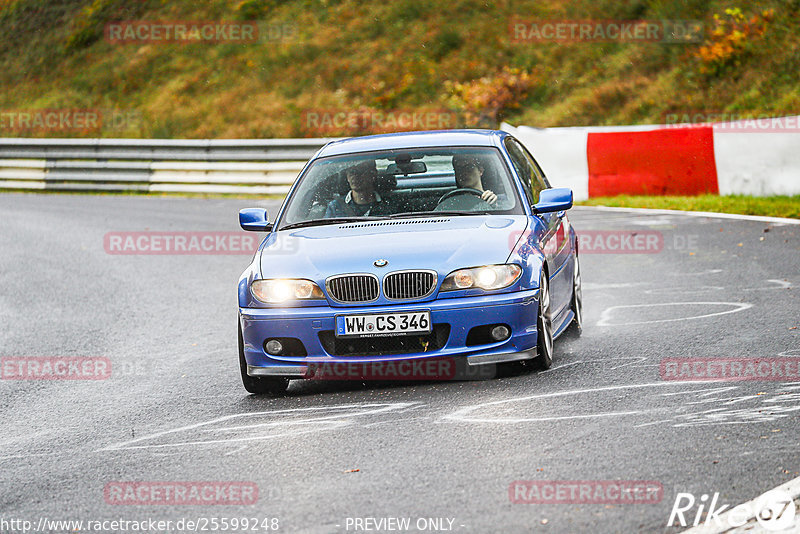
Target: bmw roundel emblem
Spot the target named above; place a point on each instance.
(381, 263)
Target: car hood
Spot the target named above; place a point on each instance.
(439, 243)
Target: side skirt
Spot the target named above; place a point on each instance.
(566, 319)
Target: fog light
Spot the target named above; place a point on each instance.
(274, 347)
(500, 333)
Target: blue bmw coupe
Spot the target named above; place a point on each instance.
(409, 247)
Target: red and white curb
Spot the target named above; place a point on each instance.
(721, 158)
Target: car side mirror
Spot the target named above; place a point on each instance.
(557, 199)
(254, 220)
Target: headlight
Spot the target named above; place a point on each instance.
(487, 277)
(273, 291)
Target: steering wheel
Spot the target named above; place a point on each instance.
(461, 191)
(463, 199)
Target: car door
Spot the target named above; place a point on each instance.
(554, 236)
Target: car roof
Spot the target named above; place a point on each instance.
(401, 140)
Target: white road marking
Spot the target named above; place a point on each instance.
(635, 359)
(756, 218)
(701, 273)
(757, 408)
(462, 414)
(781, 284)
(127, 446)
(745, 416)
(563, 417)
(592, 286)
(393, 421)
(414, 406)
(654, 221)
(604, 361)
(709, 391)
(673, 290)
(235, 451)
(732, 400)
(653, 423)
(316, 424)
(28, 455)
(605, 316)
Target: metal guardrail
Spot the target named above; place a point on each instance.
(267, 166)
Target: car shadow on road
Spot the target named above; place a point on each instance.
(327, 386)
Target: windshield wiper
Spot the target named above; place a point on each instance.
(434, 213)
(333, 220)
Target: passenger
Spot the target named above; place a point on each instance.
(362, 199)
(469, 170)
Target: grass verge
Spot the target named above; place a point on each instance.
(777, 206)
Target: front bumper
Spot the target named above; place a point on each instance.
(518, 310)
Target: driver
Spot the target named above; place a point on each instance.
(469, 175)
(362, 199)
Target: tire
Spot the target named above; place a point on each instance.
(259, 385)
(576, 305)
(544, 326)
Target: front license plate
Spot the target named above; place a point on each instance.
(383, 324)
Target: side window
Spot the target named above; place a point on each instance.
(522, 167)
(537, 172)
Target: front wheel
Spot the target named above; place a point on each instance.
(544, 325)
(260, 385)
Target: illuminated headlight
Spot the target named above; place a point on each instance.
(487, 277)
(274, 291)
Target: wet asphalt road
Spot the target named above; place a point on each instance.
(174, 409)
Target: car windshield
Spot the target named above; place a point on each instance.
(402, 183)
